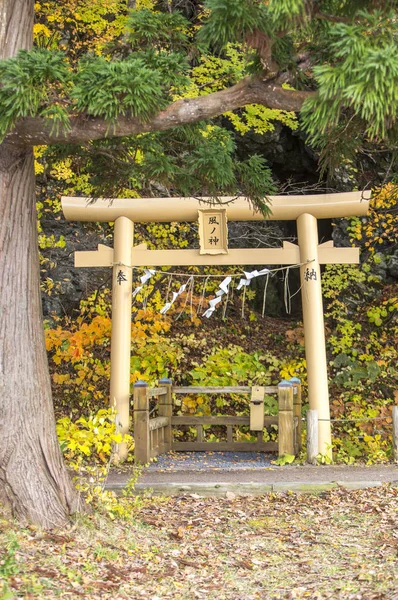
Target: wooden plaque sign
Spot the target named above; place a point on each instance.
(257, 409)
(213, 231)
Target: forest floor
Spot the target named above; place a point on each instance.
(339, 544)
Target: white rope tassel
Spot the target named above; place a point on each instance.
(224, 312)
(148, 273)
(243, 303)
(202, 295)
(190, 284)
(137, 290)
(265, 296)
(243, 283)
(286, 293)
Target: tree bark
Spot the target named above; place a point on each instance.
(16, 26)
(34, 483)
(83, 128)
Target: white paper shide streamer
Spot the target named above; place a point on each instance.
(148, 273)
(167, 306)
(224, 289)
(212, 307)
(224, 286)
(249, 276)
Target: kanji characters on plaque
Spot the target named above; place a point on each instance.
(213, 231)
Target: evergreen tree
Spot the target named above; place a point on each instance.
(335, 61)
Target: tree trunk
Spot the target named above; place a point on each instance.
(34, 482)
(16, 26)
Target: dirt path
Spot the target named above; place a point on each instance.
(247, 472)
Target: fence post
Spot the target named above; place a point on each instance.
(395, 433)
(141, 423)
(166, 410)
(297, 412)
(285, 418)
(312, 437)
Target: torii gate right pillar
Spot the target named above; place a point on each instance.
(314, 329)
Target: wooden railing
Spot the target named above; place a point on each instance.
(154, 436)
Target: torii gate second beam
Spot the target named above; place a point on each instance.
(305, 209)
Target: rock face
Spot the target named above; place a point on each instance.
(385, 265)
(71, 284)
(392, 265)
(285, 151)
(340, 234)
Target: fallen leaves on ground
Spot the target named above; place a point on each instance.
(280, 546)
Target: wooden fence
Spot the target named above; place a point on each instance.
(154, 435)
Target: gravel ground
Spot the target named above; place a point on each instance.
(210, 461)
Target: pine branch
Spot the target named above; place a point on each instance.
(331, 18)
(262, 43)
(36, 131)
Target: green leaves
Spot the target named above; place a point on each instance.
(210, 162)
(360, 82)
(231, 366)
(172, 67)
(256, 181)
(286, 12)
(355, 72)
(208, 166)
(112, 89)
(232, 21)
(194, 160)
(353, 372)
(147, 29)
(27, 84)
(285, 459)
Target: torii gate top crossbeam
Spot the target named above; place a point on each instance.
(166, 210)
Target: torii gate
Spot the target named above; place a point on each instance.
(306, 210)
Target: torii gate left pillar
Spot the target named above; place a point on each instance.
(306, 210)
(121, 326)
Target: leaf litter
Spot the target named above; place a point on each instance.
(339, 544)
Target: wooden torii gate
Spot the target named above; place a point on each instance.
(306, 210)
